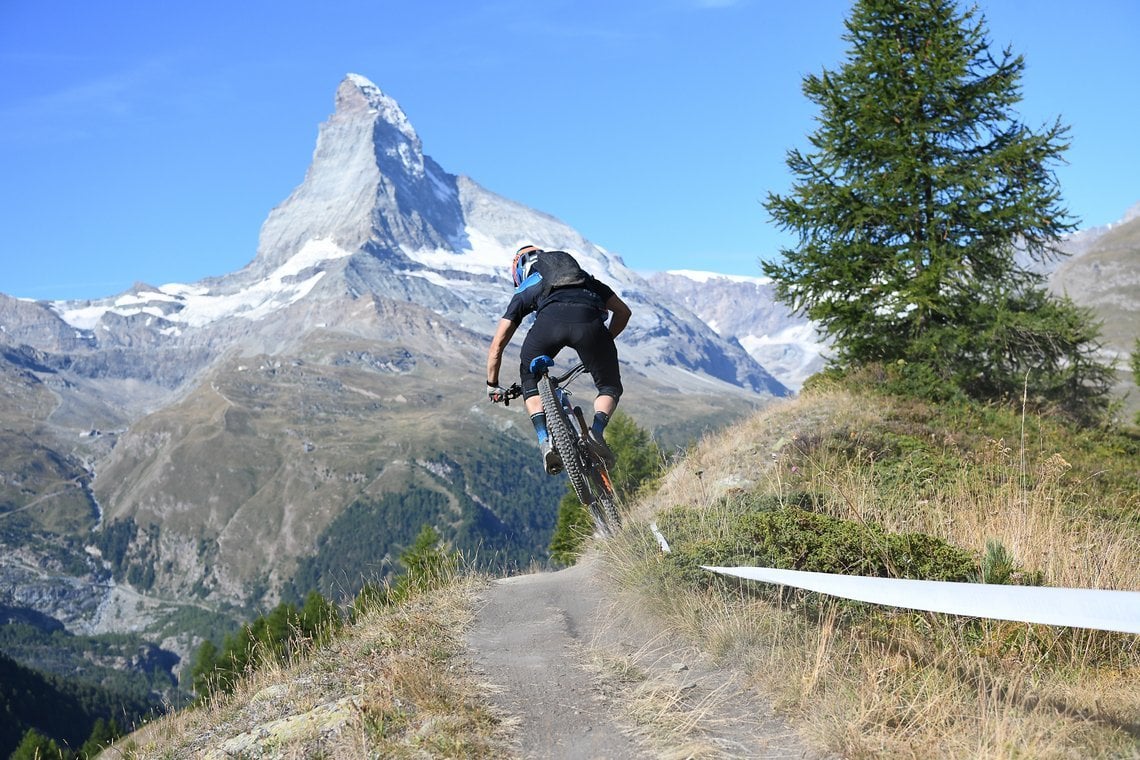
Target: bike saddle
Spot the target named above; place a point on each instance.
(540, 363)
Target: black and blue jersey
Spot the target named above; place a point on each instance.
(577, 303)
(567, 317)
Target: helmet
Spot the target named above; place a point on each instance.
(523, 261)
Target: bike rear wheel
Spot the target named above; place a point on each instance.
(603, 506)
(587, 475)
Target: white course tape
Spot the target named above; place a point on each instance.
(1073, 607)
(660, 538)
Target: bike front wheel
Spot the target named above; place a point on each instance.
(563, 436)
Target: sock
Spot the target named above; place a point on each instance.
(539, 421)
(601, 419)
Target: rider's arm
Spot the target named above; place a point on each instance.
(503, 335)
(621, 314)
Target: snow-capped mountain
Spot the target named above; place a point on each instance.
(226, 441)
(744, 309)
(375, 215)
(221, 433)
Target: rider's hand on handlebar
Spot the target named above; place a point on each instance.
(496, 393)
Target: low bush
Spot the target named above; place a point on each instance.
(764, 531)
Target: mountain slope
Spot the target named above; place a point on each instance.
(322, 402)
(1105, 276)
(744, 310)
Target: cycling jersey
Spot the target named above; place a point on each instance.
(590, 300)
(573, 317)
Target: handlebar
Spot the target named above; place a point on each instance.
(540, 365)
(513, 392)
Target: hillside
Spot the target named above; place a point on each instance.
(176, 458)
(848, 680)
(1104, 276)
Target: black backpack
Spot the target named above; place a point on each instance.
(559, 270)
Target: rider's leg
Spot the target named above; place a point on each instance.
(537, 417)
(604, 406)
(550, 459)
(605, 403)
(596, 349)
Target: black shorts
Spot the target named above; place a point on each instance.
(555, 329)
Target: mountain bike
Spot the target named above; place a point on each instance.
(571, 438)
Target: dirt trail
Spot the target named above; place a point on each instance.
(531, 639)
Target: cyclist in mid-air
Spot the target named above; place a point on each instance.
(570, 308)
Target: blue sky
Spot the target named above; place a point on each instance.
(148, 141)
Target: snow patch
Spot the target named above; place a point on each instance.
(200, 306)
(486, 256)
(82, 318)
(435, 278)
(802, 335)
(135, 299)
(704, 277)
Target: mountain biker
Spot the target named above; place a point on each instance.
(571, 308)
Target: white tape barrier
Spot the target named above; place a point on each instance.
(1073, 607)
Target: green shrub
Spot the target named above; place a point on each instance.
(276, 636)
(573, 528)
(762, 532)
(999, 567)
(427, 564)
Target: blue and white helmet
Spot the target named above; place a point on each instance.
(523, 263)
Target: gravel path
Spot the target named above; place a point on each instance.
(531, 640)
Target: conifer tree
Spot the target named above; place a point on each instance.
(921, 206)
(36, 746)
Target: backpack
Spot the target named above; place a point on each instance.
(559, 270)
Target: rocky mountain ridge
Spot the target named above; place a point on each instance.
(745, 309)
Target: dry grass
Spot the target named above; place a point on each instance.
(881, 684)
(679, 702)
(1041, 517)
(897, 684)
(390, 685)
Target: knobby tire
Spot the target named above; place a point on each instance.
(604, 491)
(558, 425)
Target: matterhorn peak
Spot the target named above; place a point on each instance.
(369, 185)
(359, 96)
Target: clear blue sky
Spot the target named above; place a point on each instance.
(148, 141)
